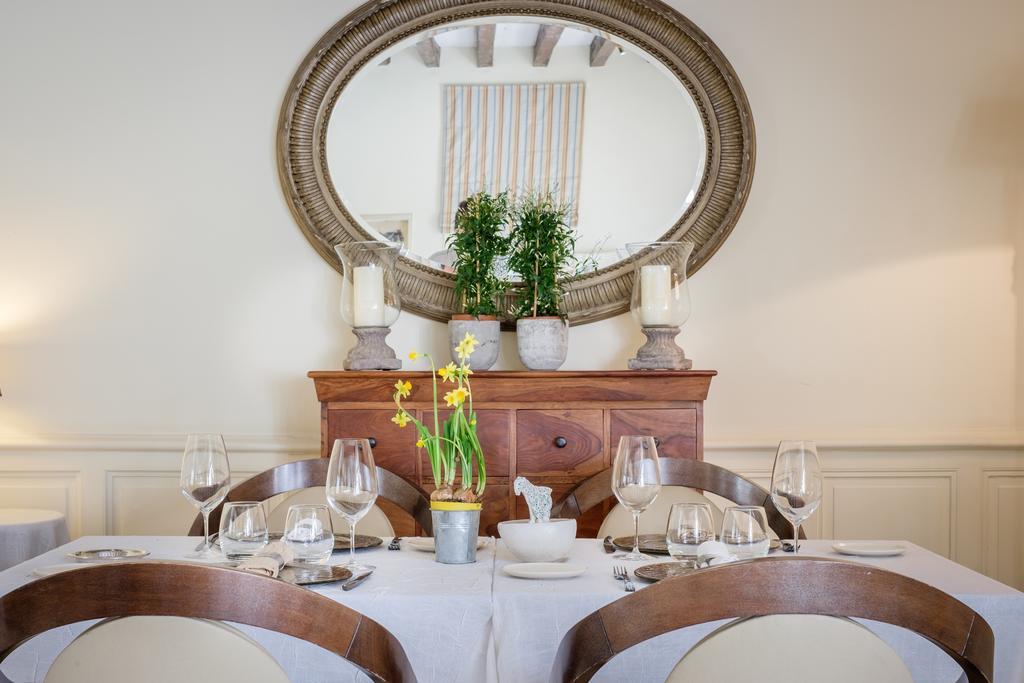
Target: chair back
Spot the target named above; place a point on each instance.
(169, 589)
(304, 474)
(778, 585)
(681, 472)
(375, 522)
(833, 648)
(164, 650)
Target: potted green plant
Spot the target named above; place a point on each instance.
(541, 252)
(477, 242)
(454, 451)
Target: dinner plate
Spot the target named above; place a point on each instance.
(544, 570)
(426, 543)
(309, 576)
(108, 554)
(52, 569)
(655, 544)
(663, 570)
(869, 548)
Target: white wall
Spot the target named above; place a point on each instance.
(152, 280)
(642, 145)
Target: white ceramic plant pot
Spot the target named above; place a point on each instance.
(538, 541)
(542, 342)
(488, 336)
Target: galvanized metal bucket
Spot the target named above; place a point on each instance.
(455, 533)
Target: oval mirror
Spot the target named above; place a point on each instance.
(630, 119)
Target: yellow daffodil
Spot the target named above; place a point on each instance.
(456, 397)
(401, 419)
(413, 355)
(472, 423)
(420, 443)
(466, 346)
(448, 372)
(466, 370)
(403, 388)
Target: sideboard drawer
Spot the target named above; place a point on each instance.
(675, 430)
(559, 442)
(394, 448)
(494, 429)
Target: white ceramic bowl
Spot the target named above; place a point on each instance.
(540, 542)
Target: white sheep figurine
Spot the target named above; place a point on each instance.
(538, 499)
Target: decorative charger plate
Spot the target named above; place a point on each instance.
(662, 570)
(341, 540)
(649, 543)
(107, 554)
(308, 576)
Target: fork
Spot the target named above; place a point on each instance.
(394, 543)
(622, 574)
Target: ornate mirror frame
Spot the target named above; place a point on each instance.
(663, 32)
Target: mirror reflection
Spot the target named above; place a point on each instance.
(511, 104)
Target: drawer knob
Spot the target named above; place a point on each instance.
(373, 442)
(560, 442)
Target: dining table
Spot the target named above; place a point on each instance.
(475, 623)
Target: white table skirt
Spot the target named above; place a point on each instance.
(25, 533)
(495, 628)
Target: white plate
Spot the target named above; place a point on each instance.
(544, 570)
(52, 569)
(426, 544)
(869, 548)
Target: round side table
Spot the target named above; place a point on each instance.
(25, 533)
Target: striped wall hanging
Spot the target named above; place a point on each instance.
(515, 137)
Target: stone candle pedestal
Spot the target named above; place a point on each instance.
(660, 351)
(371, 352)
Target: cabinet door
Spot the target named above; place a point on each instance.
(559, 442)
(394, 448)
(675, 430)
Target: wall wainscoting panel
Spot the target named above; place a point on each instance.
(1003, 526)
(963, 501)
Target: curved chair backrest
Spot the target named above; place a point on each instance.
(778, 585)
(303, 474)
(202, 592)
(694, 474)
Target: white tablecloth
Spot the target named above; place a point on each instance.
(530, 618)
(25, 533)
(441, 614)
(495, 628)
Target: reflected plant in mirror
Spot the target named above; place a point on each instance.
(541, 254)
(477, 243)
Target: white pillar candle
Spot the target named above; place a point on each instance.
(656, 295)
(367, 296)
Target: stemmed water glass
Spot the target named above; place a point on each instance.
(796, 483)
(636, 482)
(205, 479)
(352, 488)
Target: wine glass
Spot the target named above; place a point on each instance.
(745, 531)
(796, 483)
(205, 479)
(636, 482)
(352, 488)
(309, 533)
(689, 525)
(243, 529)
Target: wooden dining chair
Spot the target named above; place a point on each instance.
(755, 590)
(304, 474)
(183, 595)
(686, 477)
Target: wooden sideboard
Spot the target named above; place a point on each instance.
(556, 428)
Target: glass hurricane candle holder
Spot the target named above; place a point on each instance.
(660, 303)
(370, 302)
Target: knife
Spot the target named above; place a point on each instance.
(355, 581)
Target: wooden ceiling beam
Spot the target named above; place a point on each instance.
(485, 45)
(600, 50)
(547, 38)
(430, 53)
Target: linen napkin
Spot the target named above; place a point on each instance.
(268, 561)
(713, 553)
